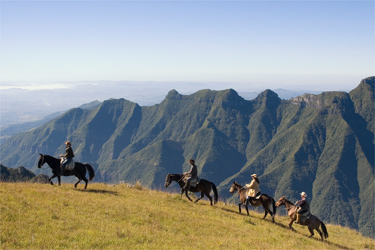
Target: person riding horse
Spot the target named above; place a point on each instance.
(253, 189)
(303, 207)
(191, 175)
(68, 157)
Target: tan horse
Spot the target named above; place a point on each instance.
(266, 201)
(312, 222)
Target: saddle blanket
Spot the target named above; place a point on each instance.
(194, 182)
(70, 165)
(305, 216)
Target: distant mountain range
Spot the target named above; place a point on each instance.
(9, 130)
(320, 144)
(17, 117)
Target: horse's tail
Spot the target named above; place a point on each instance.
(325, 232)
(216, 197)
(91, 171)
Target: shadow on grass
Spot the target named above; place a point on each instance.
(288, 228)
(314, 238)
(97, 191)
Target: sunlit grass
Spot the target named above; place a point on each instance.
(37, 216)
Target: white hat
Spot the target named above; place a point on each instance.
(254, 175)
(303, 194)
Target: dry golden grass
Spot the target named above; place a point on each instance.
(40, 216)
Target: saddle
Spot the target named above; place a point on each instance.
(70, 165)
(258, 197)
(305, 216)
(194, 182)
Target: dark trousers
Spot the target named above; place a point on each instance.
(64, 165)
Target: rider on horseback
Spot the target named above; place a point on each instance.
(303, 207)
(254, 190)
(192, 175)
(68, 156)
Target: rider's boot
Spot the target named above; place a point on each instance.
(62, 170)
(298, 220)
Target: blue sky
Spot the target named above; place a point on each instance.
(271, 44)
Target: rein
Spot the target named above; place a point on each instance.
(288, 207)
(169, 181)
(183, 176)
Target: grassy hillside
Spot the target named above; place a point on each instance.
(41, 216)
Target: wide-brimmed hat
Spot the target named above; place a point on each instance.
(254, 175)
(303, 194)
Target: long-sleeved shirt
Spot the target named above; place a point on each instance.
(253, 188)
(69, 153)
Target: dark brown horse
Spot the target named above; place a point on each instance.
(312, 222)
(266, 201)
(79, 170)
(204, 186)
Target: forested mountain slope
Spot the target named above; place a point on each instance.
(321, 144)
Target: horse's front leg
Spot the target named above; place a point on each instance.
(186, 194)
(247, 209)
(202, 195)
(50, 179)
(291, 223)
(239, 207)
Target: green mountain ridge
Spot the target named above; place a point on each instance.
(321, 144)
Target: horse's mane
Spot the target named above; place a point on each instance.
(237, 184)
(287, 201)
(167, 178)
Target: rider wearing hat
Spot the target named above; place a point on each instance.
(192, 174)
(303, 206)
(68, 156)
(253, 187)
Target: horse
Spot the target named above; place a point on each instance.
(265, 200)
(312, 222)
(79, 170)
(204, 186)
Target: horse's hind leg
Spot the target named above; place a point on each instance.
(320, 233)
(210, 198)
(202, 195)
(86, 181)
(311, 231)
(75, 185)
(239, 207)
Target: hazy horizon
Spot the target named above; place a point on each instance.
(33, 102)
(327, 45)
